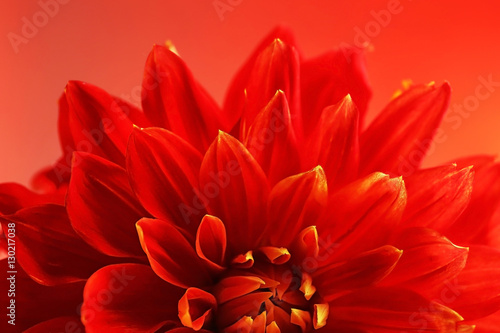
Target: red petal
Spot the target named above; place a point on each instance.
(163, 171)
(294, 204)
(320, 317)
(128, 298)
(243, 325)
(186, 330)
(51, 179)
(360, 271)
(59, 324)
(276, 68)
(49, 249)
(490, 324)
(235, 97)
(381, 310)
(274, 255)
(249, 304)
(428, 264)
(493, 237)
(336, 143)
(437, 196)
(326, 79)
(168, 252)
(476, 222)
(211, 240)
(232, 287)
(243, 260)
(102, 207)
(362, 215)
(63, 125)
(273, 328)
(271, 140)
(236, 189)
(35, 303)
(196, 308)
(259, 323)
(98, 124)
(475, 293)
(398, 139)
(76, 132)
(302, 319)
(14, 197)
(172, 99)
(305, 246)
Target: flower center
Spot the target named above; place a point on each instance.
(263, 291)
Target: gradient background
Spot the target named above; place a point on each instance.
(106, 43)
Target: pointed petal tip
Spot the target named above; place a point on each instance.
(280, 93)
(319, 170)
(73, 86)
(171, 47)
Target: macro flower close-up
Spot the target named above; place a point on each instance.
(283, 210)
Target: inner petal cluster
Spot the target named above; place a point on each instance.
(261, 291)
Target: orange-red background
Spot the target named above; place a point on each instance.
(107, 42)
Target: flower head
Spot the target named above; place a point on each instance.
(276, 213)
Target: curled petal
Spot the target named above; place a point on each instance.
(275, 255)
(211, 240)
(320, 316)
(301, 318)
(245, 260)
(306, 245)
(169, 252)
(306, 286)
(196, 308)
(398, 139)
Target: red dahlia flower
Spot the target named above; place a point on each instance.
(277, 213)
